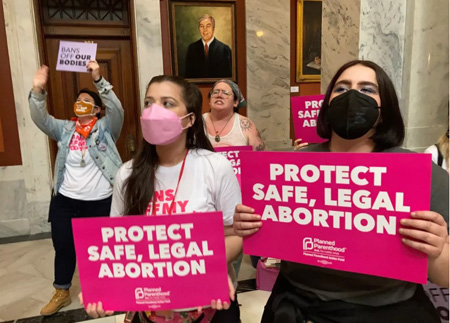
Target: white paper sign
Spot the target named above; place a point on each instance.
(74, 56)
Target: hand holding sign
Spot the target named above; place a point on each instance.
(217, 304)
(426, 231)
(94, 310)
(337, 199)
(151, 261)
(305, 110)
(298, 144)
(245, 221)
(94, 69)
(40, 79)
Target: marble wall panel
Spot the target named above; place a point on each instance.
(428, 66)
(12, 199)
(29, 183)
(340, 36)
(382, 36)
(268, 69)
(409, 40)
(148, 42)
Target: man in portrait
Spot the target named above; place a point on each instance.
(208, 57)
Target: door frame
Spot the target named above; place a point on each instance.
(132, 36)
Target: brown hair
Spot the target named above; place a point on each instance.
(140, 185)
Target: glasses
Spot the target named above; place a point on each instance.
(224, 92)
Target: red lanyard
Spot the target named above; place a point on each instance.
(176, 190)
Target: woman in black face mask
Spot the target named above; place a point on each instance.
(360, 113)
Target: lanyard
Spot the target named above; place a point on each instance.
(176, 190)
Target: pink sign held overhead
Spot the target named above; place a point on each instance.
(74, 56)
(232, 154)
(137, 263)
(305, 110)
(338, 210)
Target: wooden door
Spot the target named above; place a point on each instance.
(115, 56)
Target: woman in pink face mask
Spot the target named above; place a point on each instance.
(176, 160)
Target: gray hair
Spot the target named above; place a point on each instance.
(206, 16)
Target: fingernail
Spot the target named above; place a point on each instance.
(402, 221)
(401, 230)
(413, 213)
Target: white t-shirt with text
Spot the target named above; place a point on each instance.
(83, 183)
(208, 184)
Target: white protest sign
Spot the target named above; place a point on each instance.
(74, 56)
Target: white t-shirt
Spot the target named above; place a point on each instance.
(433, 150)
(208, 184)
(83, 183)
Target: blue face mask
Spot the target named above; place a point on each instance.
(352, 114)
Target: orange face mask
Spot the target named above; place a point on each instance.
(83, 108)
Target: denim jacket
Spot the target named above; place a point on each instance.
(100, 141)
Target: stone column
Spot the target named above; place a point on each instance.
(409, 39)
(148, 42)
(340, 36)
(426, 73)
(268, 69)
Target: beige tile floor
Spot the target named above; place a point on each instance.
(26, 276)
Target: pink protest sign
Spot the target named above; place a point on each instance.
(74, 56)
(338, 210)
(305, 110)
(232, 154)
(137, 263)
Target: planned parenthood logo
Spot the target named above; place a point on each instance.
(308, 244)
(325, 251)
(154, 297)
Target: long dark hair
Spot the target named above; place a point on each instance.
(390, 132)
(140, 185)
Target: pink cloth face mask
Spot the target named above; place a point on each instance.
(161, 126)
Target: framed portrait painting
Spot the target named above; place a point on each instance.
(309, 37)
(203, 36)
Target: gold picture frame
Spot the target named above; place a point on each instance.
(188, 62)
(309, 36)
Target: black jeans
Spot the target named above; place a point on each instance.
(287, 305)
(62, 210)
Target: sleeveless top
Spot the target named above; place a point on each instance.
(234, 138)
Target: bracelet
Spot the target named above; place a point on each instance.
(96, 81)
